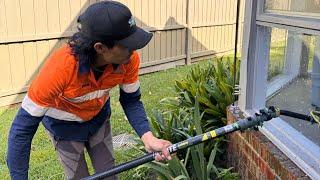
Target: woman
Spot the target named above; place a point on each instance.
(71, 95)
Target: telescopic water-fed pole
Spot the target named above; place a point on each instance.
(242, 124)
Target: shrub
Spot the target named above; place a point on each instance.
(200, 105)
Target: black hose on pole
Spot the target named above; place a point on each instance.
(296, 115)
(236, 51)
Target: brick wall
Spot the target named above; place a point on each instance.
(255, 157)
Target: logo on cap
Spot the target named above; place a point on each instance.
(79, 26)
(131, 21)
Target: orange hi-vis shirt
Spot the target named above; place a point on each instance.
(61, 92)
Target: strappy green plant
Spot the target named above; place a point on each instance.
(200, 105)
(214, 85)
(193, 163)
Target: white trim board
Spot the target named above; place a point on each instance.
(289, 28)
(302, 22)
(277, 83)
(302, 151)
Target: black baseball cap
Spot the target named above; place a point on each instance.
(112, 21)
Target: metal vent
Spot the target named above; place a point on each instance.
(123, 141)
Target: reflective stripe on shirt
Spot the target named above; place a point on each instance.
(90, 96)
(32, 108)
(130, 88)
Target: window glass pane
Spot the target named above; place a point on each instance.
(299, 82)
(277, 52)
(295, 7)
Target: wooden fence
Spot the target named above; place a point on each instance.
(184, 31)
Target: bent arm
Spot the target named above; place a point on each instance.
(134, 111)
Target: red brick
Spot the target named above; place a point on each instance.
(251, 175)
(256, 145)
(257, 173)
(270, 174)
(264, 153)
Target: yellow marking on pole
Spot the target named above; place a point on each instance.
(183, 144)
(213, 134)
(277, 112)
(204, 137)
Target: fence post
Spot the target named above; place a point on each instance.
(189, 18)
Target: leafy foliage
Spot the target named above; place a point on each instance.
(200, 106)
(194, 164)
(214, 86)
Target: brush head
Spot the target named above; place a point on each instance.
(315, 115)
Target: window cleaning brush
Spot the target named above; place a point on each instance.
(241, 124)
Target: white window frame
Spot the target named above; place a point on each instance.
(255, 88)
(289, 19)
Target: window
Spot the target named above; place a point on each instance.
(300, 93)
(277, 53)
(281, 66)
(296, 7)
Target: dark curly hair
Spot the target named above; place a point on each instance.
(83, 48)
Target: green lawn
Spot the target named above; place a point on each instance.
(44, 162)
(278, 55)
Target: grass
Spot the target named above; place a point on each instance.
(277, 56)
(44, 161)
(278, 53)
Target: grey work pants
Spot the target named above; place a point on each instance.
(100, 150)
